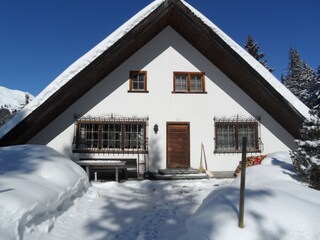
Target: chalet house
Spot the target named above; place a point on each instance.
(158, 87)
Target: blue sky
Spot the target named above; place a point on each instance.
(40, 39)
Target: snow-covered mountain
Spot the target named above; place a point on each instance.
(13, 100)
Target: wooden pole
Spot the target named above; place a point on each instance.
(243, 182)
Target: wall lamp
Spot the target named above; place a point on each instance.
(156, 128)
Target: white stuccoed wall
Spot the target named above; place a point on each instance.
(166, 53)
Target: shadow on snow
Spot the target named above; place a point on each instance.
(147, 212)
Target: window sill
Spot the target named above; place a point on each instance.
(115, 151)
(173, 92)
(137, 91)
(235, 151)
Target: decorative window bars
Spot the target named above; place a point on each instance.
(230, 131)
(111, 135)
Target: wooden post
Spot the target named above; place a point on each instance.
(117, 174)
(243, 182)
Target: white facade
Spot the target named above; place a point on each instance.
(168, 52)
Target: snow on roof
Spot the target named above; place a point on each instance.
(272, 80)
(79, 65)
(95, 52)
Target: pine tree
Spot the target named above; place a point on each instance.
(306, 158)
(315, 92)
(308, 77)
(253, 49)
(292, 79)
(300, 78)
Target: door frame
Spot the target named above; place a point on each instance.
(167, 137)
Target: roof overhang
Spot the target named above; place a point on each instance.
(176, 14)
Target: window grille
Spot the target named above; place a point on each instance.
(111, 135)
(230, 131)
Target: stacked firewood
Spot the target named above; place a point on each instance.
(250, 161)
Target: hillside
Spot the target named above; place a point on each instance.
(12, 101)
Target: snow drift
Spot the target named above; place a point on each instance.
(36, 185)
(276, 207)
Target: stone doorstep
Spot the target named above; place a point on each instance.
(190, 173)
(179, 173)
(175, 171)
(181, 176)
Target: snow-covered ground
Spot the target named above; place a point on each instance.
(277, 207)
(46, 196)
(146, 210)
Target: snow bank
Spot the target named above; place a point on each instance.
(276, 207)
(36, 185)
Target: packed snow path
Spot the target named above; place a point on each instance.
(131, 210)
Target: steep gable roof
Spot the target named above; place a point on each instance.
(199, 31)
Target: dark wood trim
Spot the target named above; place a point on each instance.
(131, 90)
(167, 139)
(99, 148)
(236, 134)
(188, 74)
(233, 151)
(189, 92)
(136, 91)
(174, 82)
(169, 13)
(214, 48)
(256, 135)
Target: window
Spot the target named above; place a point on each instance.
(188, 82)
(109, 135)
(138, 81)
(229, 134)
(90, 132)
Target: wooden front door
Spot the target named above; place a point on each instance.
(178, 145)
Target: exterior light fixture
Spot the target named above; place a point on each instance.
(156, 128)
